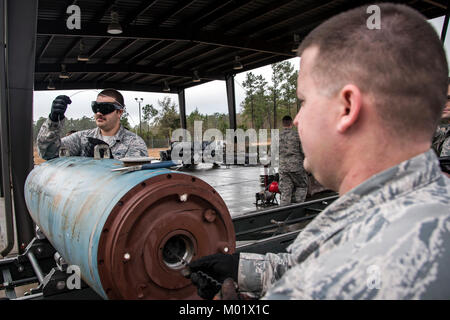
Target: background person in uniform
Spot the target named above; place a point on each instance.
(371, 102)
(441, 140)
(293, 179)
(108, 108)
(314, 186)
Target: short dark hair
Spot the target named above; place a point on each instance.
(402, 64)
(287, 121)
(113, 93)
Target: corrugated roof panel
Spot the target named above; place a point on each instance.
(259, 31)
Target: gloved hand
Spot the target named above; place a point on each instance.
(218, 266)
(59, 107)
(206, 286)
(209, 272)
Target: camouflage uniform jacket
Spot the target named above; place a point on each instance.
(441, 140)
(388, 238)
(291, 153)
(127, 144)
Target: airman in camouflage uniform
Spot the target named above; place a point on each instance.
(293, 177)
(441, 139)
(122, 142)
(445, 152)
(389, 242)
(388, 235)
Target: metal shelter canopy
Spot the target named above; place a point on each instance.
(164, 41)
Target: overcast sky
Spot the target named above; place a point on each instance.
(208, 98)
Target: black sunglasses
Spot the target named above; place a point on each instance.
(104, 107)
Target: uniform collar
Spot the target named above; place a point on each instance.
(403, 178)
(357, 203)
(118, 137)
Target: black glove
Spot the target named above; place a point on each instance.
(207, 287)
(59, 106)
(209, 272)
(219, 266)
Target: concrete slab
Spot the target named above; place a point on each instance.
(236, 185)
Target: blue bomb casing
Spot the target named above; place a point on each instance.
(129, 233)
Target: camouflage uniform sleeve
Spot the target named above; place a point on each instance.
(258, 272)
(445, 152)
(49, 140)
(137, 148)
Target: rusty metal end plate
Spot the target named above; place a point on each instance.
(156, 228)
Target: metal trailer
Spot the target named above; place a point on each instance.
(259, 232)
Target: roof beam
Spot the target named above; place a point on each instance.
(47, 44)
(180, 6)
(228, 60)
(68, 3)
(312, 22)
(101, 76)
(173, 55)
(155, 52)
(120, 49)
(99, 47)
(248, 65)
(186, 85)
(75, 43)
(316, 5)
(98, 16)
(205, 12)
(144, 54)
(119, 68)
(129, 19)
(147, 76)
(436, 4)
(143, 32)
(60, 85)
(255, 14)
(107, 76)
(84, 77)
(196, 56)
(109, 4)
(144, 7)
(129, 77)
(223, 11)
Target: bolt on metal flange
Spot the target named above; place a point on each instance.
(210, 215)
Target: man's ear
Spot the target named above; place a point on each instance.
(350, 99)
(120, 112)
